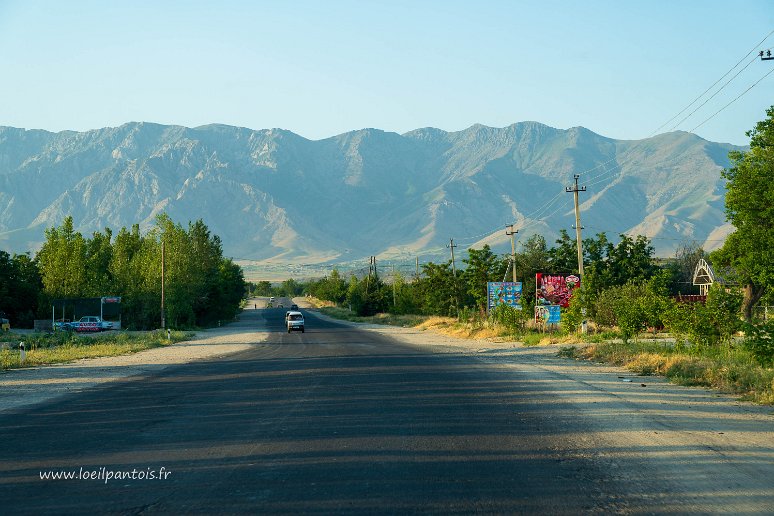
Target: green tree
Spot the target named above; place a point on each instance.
(750, 208)
(99, 252)
(615, 265)
(437, 289)
(404, 295)
(482, 266)
(262, 288)
(564, 257)
(62, 262)
(533, 258)
(682, 267)
(367, 296)
(20, 287)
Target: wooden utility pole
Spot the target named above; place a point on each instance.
(163, 318)
(394, 294)
(454, 276)
(417, 273)
(452, 246)
(575, 191)
(511, 234)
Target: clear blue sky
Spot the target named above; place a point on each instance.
(320, 68)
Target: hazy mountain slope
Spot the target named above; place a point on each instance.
(271, 194)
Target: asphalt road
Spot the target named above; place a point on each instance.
(334, 420)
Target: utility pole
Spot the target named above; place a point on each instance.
(575, 191)
(452, 246)
(768, 56)
(163, 318)
(454, 275)
(417, 273)
(511, 234)
(394, 294)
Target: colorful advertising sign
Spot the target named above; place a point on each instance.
(555, 290)
(548, 314)
(503, 293)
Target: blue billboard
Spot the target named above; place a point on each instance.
(503, 293)
(548, 314)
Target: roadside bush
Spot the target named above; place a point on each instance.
(633, 306)
(510, 318)
(759, 340)
(710, 324)
(574, 315)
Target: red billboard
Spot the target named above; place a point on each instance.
(555, 290)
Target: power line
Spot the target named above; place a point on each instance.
(737, 98)
(713, 95)
(713, 85)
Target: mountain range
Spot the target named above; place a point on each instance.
(272, 195)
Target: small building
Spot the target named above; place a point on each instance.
(704, 277)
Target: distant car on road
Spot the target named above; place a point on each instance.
(294, 321)
(91, 323)
(294, 307)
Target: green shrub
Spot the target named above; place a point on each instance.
(710, 324)
(759, 340)
(512, 319)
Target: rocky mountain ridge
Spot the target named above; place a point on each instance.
(274, 195)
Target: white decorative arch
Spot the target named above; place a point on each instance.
(703, 276)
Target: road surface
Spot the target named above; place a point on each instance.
(340, 420)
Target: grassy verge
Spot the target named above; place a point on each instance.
(730, 368)
(65, 347)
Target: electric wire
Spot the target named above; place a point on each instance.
(713, 95)
(755, 48)
(737, 98)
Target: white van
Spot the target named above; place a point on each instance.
(294, 321)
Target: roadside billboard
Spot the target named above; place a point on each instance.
(548, 314)
(503, 293)
(555, 290)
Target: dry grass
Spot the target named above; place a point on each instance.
(729, 370)
(319, 303)
(451, 327)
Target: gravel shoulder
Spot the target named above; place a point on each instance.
(28, 386)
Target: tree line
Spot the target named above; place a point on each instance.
(440, 291)
(201, 286)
